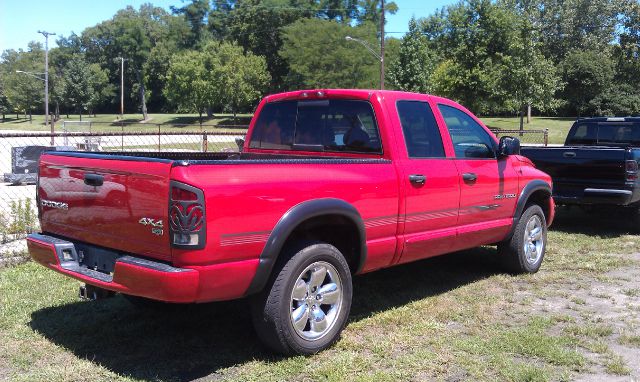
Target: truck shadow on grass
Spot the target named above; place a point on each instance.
(198, 340)
(603, 223)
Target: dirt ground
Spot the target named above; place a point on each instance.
(604, 309)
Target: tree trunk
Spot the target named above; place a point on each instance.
(521, 121)
(30, 117)
(235, 122)
(57, 112)
(200, 117)
(143, 100)
(528, 113)
(209, 112)
(80, 112)
(17, 115)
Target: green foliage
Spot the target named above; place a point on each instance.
(587, 75)
(319, 56)
(78, 89)
(22, 218)
(412, 69)
(220, 76)
(24, 92)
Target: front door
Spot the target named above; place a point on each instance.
(488, 185)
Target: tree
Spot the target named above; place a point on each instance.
(475, 38)
(319, 56)
(241, 77)
(190, 84)
(78, 89)
(415, 63)
(587, 74)
(220, 76)
(196, 15)
(25, 92)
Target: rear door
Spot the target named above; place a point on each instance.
(105, 201)
(488, 185)
(430, 183)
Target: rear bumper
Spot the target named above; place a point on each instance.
(141, 277)
(598, 196)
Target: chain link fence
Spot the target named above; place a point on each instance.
(19, 154)
(526, 137)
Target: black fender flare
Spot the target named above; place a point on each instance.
(290, 221)
(523, 198)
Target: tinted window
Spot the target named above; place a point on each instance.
(420, 130)
(470, 139)
(592, 133)
(324, 125)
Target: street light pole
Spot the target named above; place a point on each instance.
(374, 53)
(46, 78)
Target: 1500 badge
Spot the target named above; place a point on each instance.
(504, 196)
(156, 225)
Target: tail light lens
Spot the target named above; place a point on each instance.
(187, 218)
(631, 169)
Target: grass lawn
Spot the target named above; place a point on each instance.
(558, 127)
(109, 122)
(456, 317)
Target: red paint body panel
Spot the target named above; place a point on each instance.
(244, 202)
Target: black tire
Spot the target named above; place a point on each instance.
(512, 252)
(273, 307)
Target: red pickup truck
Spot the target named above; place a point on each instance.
(329, 184)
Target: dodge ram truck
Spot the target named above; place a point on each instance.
(329, 184)
(598, 164)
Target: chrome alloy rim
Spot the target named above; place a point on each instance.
(316, 300)
(533, 239)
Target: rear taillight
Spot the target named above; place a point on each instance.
(631, 170)
(187, 216)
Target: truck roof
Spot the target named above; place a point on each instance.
(609, 119)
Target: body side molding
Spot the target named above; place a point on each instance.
(292, 219)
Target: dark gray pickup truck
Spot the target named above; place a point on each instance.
(598, 164)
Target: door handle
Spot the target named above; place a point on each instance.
(417, 178)
(569, 154)
(469, 177)
(93, 180)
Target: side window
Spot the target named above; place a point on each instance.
(421, 134)
(470, 140)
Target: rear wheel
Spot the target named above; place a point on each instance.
(306, 304)
(524, 251)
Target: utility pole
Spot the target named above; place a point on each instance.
(382, 45)
(46, 78)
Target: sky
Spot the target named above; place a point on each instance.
(20, 20)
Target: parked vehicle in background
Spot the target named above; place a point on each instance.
(329, 184)
(598, 164)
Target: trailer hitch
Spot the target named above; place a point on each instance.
(92, 293)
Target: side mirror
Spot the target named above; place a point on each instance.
(508, 146)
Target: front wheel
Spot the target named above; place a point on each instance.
(524, 251)
(306, 304)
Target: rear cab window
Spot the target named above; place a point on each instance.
(605, 133)
(333, 125)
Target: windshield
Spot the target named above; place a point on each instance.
(325, 125)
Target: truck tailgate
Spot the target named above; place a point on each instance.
(575, 168)
(119, 203)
